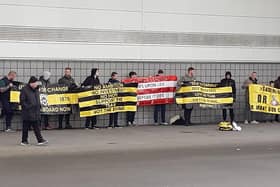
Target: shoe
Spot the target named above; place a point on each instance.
(44, 142)
(246, 122)
(236, 127)
(156, 123)
(24, 144)
(48, 128)
(128, 123)
(10, 130)
(254, 122)
(164, 123)
(117, 126)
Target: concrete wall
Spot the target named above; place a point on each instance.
(256, 19)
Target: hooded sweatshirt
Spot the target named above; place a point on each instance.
(92, 80)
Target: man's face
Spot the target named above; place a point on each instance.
(228, 77)
(12, 76)
(115, 76)
(67, 72)
(254, 75)
(191, 73)
(34, 85)
(133, 76)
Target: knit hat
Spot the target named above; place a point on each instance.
(32, 79)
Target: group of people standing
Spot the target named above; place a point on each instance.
(30, 101)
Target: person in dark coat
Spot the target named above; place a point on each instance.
(45, 82)
(130, 116)
(229, 82)
(5, 88)
(30, 102)
(68, 81)
(91, 81)
(160, 108)
(277, 85)
(113, 117)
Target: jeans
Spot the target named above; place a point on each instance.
(67, 120)
(113, 119)
(130, 116)
(231, 114)
(161, 109)
(92, 120)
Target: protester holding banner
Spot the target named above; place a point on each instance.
(228, 81)
(45, 82)
(277, 85)
(30, 102)
(249, 116)
(189, 77)
(160, 107)
(91, 81)
(6, 84)
(113, 117)
(68, 81)
(130, 116)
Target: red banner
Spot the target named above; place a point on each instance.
(155, 90)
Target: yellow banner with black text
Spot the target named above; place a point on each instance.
(264, 98)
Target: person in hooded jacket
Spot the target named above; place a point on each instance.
(229, 82)
(277, 85)
(45, 82)
(91, 81)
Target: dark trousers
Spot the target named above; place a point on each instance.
(231, 114)
(161, 109)
(113, 119)
(130, 116)
(45, 120)
(92, 120)
(187, 115)
(35, 126)
(277, 117)
(67, 120)
(8, 112)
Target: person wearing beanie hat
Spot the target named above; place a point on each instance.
(91, 81)
(45, 82)
(228, 81)
(30, 103)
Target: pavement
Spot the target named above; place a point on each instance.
(153, 156)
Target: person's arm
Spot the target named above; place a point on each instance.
(3, 87)
(234, 89)
(245, 84)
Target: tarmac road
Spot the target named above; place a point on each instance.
(145, 157)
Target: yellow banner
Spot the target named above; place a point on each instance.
(264, 98)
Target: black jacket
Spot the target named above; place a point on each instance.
(67, 81)
(277, 83)
(30, 103)
(229, 82)
(91, 80)
(113, 81)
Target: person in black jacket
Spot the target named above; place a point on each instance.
(113, 117)
(160, 107)
(91, 81)
(130, 116)
(45, 82)
(228, 81)
(277, 85)
(68, 81)
(5, 88)
(30, 102)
